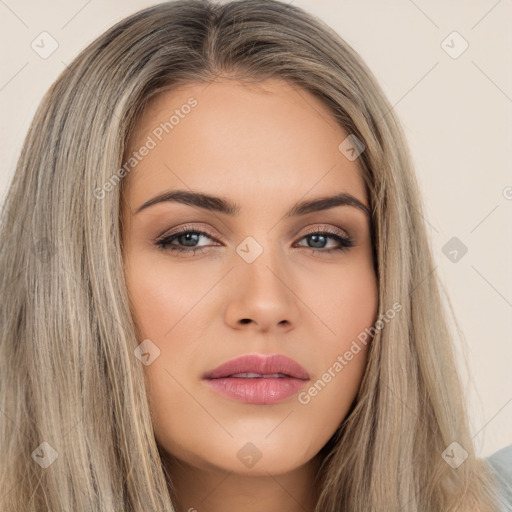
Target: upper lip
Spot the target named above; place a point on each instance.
(262, 364)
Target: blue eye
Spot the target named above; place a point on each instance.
(318, 237)
(192, 236)
(187, 236)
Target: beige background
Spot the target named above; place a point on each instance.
(456, 113)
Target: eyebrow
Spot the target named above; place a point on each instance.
(220, 205)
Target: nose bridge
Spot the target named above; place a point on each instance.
(261, 262)
(263, 287)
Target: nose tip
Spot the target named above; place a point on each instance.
(262, 295)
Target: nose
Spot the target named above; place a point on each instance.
(262, 296)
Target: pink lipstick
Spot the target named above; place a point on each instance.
(258, 379)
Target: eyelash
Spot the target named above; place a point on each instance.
(164, 242)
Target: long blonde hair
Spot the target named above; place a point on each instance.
(68, 375)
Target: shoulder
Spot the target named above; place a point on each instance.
(501, 465)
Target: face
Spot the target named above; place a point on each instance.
(246, 274)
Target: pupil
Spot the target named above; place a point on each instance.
(187, 237)
(315, 239)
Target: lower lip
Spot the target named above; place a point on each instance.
(258, 390)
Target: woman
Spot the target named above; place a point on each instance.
(144, 370)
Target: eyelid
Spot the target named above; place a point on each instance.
(186, 228)
(321, 228)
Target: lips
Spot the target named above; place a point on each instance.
(257, 366)
(256, 379)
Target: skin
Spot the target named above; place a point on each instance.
(264, 148)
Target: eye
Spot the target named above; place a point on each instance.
(186, 236)
(320, 236)
(190, 237)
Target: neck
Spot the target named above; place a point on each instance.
(216, 490)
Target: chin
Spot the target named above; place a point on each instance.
(248, 455)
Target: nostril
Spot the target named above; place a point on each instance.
(245, 320)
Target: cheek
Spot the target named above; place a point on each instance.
(162, 294)
(347, 309)
(344, 300)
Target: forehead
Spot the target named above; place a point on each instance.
(269, 141)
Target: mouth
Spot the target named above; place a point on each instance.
(260, 376)
(258, 379)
